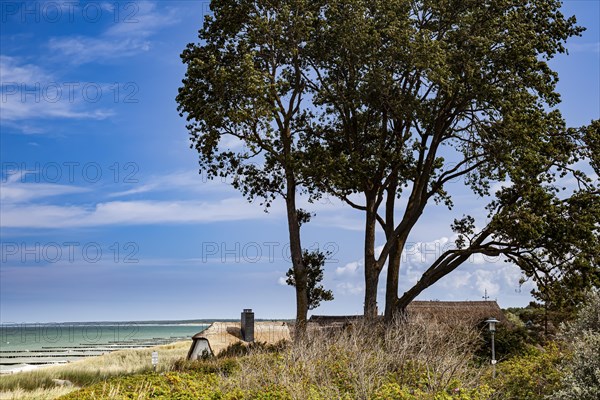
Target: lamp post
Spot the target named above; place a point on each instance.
(492, 326)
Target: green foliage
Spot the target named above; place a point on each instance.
(375, 97)
(531, 376)
(582, 371)
(194, 381)
(582, 377)
(509, 342)
(170, 385)
(241, 349)
(244, 84)
(173, 386)
(588, 316)
(404, 86)
(393, 391)
(313, 262)
(224, 366)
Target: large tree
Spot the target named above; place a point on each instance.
(384, 104)
(244, 81)
(415, 95)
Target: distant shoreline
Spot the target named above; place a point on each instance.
(191, 322)
(29, 346)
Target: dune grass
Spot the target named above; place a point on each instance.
(37, 394)
(413, 359)
(39, 384)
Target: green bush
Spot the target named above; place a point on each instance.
(394, 391)
(222, 366)
(509, 342)
(582, 372)
(588, 317)
(532, 376)
(241, 349)
(171, 385)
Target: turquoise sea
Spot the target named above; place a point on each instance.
(61, 342)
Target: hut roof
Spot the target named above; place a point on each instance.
(443, 311)
(222, 334)
(449, 311)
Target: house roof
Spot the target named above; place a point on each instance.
(449, 311)
(220, 335)
(443, 311)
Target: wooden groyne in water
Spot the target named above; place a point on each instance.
(64, 354)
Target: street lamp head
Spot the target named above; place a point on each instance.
(492, 324)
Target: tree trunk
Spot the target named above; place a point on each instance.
(412, 293)
(393, 272)
(297, 262)
(391, 290)
(440, 268)
(371, 266)
(395, 256)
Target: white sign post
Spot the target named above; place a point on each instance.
(154, 359)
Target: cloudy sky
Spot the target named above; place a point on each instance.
(104, 215)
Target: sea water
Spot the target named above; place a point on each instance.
(35, 343)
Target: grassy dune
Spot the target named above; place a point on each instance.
(39, 384)
(417, 360)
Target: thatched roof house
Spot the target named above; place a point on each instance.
(220, 335)
(471, 312)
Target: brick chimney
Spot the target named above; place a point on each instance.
(247, 325)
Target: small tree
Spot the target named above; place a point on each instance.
(313, 262)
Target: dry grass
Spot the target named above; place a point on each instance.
(38, 383)
(131, 361)
(38, 394)
(361, 359)
(350, 363)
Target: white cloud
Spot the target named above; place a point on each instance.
(467, 282)
(23, 192)
(128, 37)
(130, 213)
(350, 288)
(282, 281)
(82, 49)
(13, 71)
(486, 281)
(190, 181)
(30, 92)
(350, 268)
(457, 280)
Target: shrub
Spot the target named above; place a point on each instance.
(582, 372)
(582, 377)
(509, 342)
(241, 349)
(393, 391)
(223, 366)
(532, 376)
(588, 317)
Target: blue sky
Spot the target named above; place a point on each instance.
(105, 217)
